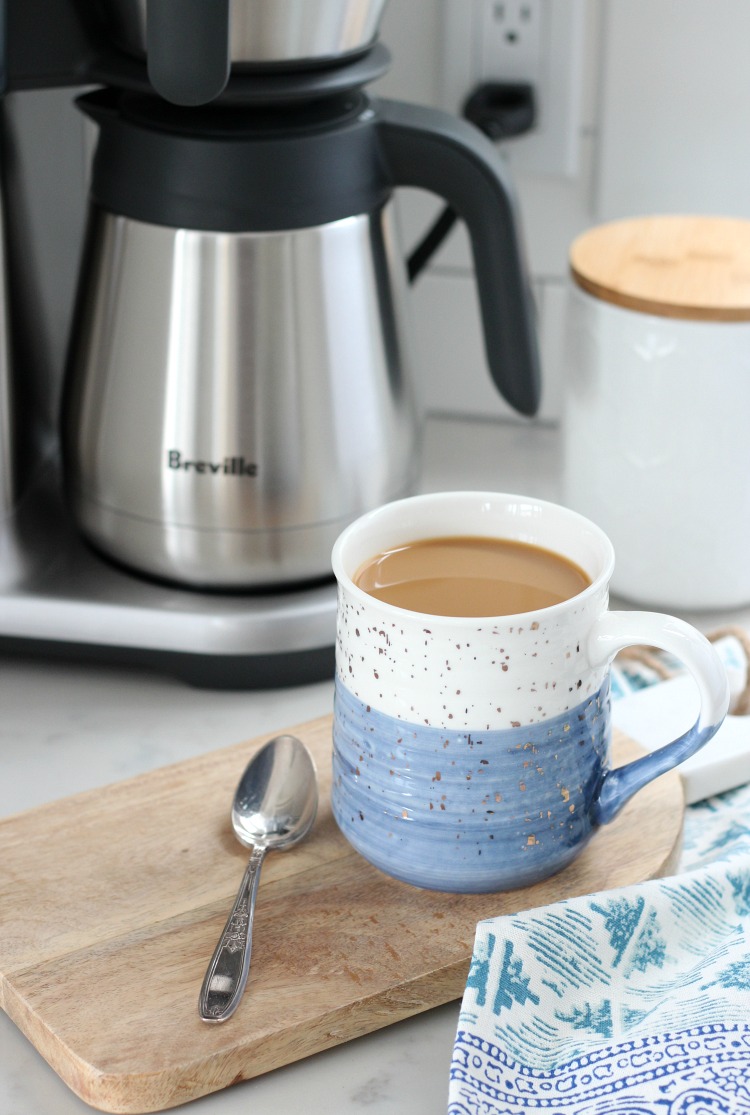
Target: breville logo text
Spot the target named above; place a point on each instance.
(229, 466)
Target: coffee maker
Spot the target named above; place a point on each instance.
(239, 378)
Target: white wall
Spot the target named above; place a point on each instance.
(666, 101)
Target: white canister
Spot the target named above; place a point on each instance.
(657, 411)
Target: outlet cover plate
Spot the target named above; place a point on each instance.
(539, 41)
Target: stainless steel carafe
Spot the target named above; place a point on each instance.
(240, 380)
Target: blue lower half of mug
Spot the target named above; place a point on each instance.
(468, 811)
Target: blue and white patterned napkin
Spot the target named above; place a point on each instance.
(635, 1001)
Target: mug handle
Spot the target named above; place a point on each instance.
(614, 631)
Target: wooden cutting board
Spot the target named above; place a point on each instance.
(111, 903)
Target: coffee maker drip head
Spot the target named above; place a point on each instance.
(191, 46)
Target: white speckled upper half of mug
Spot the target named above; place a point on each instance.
(467, 674)
(470, 673)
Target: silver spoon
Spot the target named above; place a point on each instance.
(274, 807)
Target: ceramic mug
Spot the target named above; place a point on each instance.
(473, 754)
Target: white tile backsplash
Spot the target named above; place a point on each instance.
(675, 101)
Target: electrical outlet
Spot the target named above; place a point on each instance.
(535, 41)
(508, 39)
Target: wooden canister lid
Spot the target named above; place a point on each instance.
(691, 267)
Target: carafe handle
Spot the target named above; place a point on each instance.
(434, 151)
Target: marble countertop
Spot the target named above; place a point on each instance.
(66, 727)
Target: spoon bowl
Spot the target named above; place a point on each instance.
(273, 804)
(274, 807)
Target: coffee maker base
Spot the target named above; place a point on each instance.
(202, 671)
(59, 599)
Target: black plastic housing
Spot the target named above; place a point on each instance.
(234, 169)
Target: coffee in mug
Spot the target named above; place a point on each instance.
(470, 576)
(472, 752)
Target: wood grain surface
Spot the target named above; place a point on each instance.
(690, 267)
(111, 903)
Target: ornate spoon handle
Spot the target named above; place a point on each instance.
(227, 973)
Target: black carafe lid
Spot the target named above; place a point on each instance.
(233, 168)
